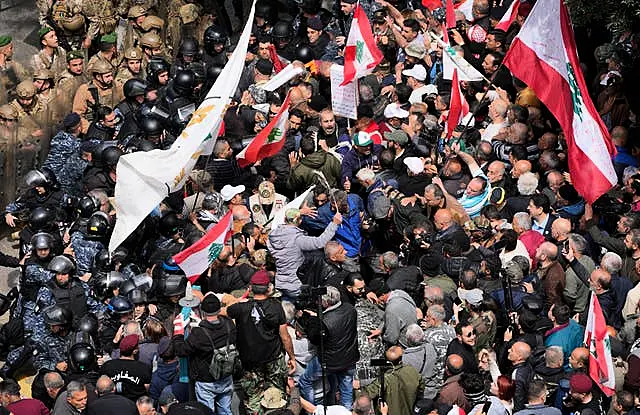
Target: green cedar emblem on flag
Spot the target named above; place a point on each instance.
(359, 50)
(274, 135)
(576, 95)
(214, 251)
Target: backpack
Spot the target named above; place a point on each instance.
(225, 361)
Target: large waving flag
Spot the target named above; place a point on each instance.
(361, 54)
(146, 178)
(596, 339)
(269, 141)
(509, 16)
(458, 106)
(450, 15)
(543, 55)
(466, 7)
(198, 257)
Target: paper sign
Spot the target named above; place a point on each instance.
(344, 99)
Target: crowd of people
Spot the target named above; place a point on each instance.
(425, 273)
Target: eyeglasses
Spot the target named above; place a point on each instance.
(472, 333)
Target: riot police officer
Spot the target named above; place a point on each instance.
(215, 42)
(282, 35)
(88, 242)
(104, 178)
(41, 219)
(170, 241)
(118, 313)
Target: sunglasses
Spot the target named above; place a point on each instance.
(471, 333)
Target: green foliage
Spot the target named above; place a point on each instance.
(617, 15)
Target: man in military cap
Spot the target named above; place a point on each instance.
(99, 91)
(151, 45)
(51, 55)
(11, 72)
(136, 17)
(131, 67)
(153, 24)
(43, 80)
(183, 16)
(33, 114)
(102, 19)
(107, 54)
(70, 80)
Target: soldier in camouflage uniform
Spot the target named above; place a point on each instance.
(108, 53)
(102, 19)
(100, 91)
(153, 24)
(33, 115)
(131, 67)
(63, 144)
(43, 80)
(51, 55)
(11, 72)
(70, 80)
(136, 17)
(182, 20)
(152, 46)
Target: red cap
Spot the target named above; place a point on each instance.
(129, 343)
(260, 278)
(580, 383)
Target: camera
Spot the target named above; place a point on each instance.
(379, 362)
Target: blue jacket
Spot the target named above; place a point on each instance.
(354, 161)
(348, 233)
(568, 338)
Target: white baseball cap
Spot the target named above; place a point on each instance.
(417, 72)
(228, 191)
(415, 164)
(394, 111)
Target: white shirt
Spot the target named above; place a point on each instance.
(492, 130)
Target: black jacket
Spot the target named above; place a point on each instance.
(340, 337)
(199, 349)
(467, 354)
(112, 403)
(522, 374)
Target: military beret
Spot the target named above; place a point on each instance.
(5, 40)
(108, 38)
(74, 54)
(44, 30)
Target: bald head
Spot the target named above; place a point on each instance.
(619, 135)
(600, 280)
(240, 213)
(105, 385)
(495, 171)
(579, 358)
(548, 141)
(521, 167)
(547, 252)
(560, 229)
(519, 133)
(443, 219)
(519, 352)
(454, 364)
(394, 354)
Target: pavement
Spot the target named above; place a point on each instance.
(19, 18)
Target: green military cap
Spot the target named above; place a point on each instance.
(44, 30)
(5, 40)
(74, 54)
(108, 38)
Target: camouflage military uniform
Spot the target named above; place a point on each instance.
(56, 63)
(102, 17)
(83, 101)
(132, 37)
(47, 297)
(124, 74)
(255, 382)
(68, 84)
(62, 146)
(11, 74)
(177, 26)
(70, 176)
(85, 250)
(440, 337)
(370, 317)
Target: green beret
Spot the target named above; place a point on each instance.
(5, 40)
(109, 38)
(44, 30)
(74, 54)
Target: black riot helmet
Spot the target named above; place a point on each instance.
(304, 54)
(134, 87)
(88, 324)
(199, 71)
(55, 315)
(62, 264)
(111, 155)
(170, 224)
(189, 46)
(87, 206)
(213, 72)
(183, 82)
(173, 285)
(98, 225)
(214, 35)
(126, 287)
(138, 296)
(42, 240)
(120, 305)
(282, 31)
(41, 218)
(40, 178)
(101, 261)
(265, 11)
(155, 67)
(169, 266)
(104, 283)
(82, 357)
(151, 126)
(145, 145)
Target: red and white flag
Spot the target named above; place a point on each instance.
(458, 105)
(269, 141)
(361, 54)
(544, 56)
(198, 257)
(596, 339)
(450, 15)
(466, 6)
(509, 16)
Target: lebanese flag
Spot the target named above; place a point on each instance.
(509, 16)
(466, 7)
(198, 257)
(432, 4)
(596, 339)
(361, 53)
(269, 141)
(543, 55)
(458, 106)
(450, 15)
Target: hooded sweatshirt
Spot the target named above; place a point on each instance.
(287, 244)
